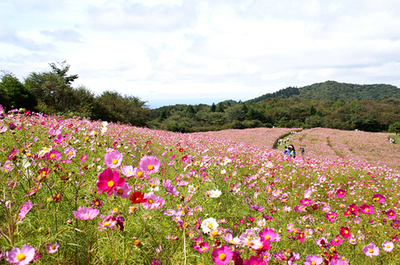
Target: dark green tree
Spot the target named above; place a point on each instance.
(213, 108)
(395, 127)
(13, 94)
(51, 91)
(112, 106)
(61, 69)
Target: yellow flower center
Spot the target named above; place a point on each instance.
(106, 224)
(387, 246)
(367, 210)
(150, 167)
(115, 161)
(370, 250)
(222, 256)
(313, 263)
(96, 203)
(210, 226)
(70, 153)
(110, 184)
(150, 201)
(53, 247)
(267, 237)
(214, 233)
(52, 155)
(140, 174)
(20, 257)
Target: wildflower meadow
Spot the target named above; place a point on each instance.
(75, 191)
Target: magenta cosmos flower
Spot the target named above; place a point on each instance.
(390, 214)
(21, 256)
(378, 198)
(340, 193)
(367, 209)
(371, 250)
(108, 181)
(84, 213)
(222, 255)
(113, 159)
(149, 164)
(331, 216)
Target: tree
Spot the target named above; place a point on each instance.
(112, 106)
(213, 108)
(51, 92)
(13, 94)
(395, 127)
(61, 70)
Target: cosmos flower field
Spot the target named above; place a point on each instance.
(75, 191)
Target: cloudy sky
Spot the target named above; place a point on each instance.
(202, 51)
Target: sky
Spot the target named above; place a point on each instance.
(203, 51)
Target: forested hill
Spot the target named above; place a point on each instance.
(335, 90)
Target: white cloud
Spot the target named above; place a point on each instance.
(181, 50)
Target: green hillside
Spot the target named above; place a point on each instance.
(336, 91)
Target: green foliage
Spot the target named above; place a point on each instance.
(61, 70)
(335, 91)
(395, 127)
(112, 106)
(13, 94)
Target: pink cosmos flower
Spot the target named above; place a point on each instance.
(70, 152)
(21, 256)
(321, 242)
(203, 247)
(345, 232)
(123, 191)
(313, 260)
(52, 247)
(353, 209)
(113, 159)
(108, 181)
(269, 234)
(336, 241)
(127, 171)
(390, 214)
(153, 201)
(53, 155)
(331, 216)
(388, 246)
(367, 209)
(83, 158)
(25, 209)
(149, 164)
(84, 213)
(306, 202)
(395, 224)
(254, 260)
(340, 193)
(378, 198)
(371, 250)
(222, 255)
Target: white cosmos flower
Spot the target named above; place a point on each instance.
(215, 193)
(209, 225)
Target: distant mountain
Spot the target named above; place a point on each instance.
(335, 90)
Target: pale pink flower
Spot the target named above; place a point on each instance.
(84, 213)
(113, 159)
(52, 247)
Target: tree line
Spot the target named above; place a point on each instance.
(366, 115)
(51, 92)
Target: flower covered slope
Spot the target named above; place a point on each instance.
(81, 192)
(350, 145)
